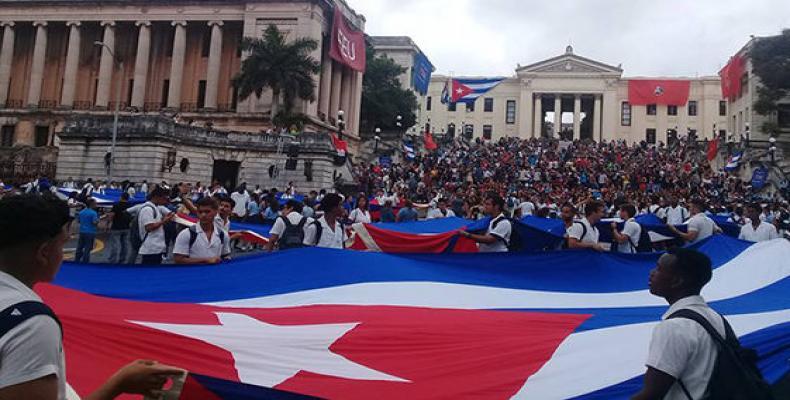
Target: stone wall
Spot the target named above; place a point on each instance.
(145, 143)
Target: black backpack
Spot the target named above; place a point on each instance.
(565, 244)
(645, 244)
(319, 230)
(735, 374)
(514, 244)
(193, 236)
(293, 236)
(134, 228)
(18, 313)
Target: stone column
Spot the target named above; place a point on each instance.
(345, 93)
(537, 129)
(141, 64)
(326, 86)
(577, 116)
(106, 65)
(72, 63)
(524, 112)
(6, 57)
(37, 67)
(597, 118)
(337, 81)
(177, 64)
(557, 115)
(214, 59)
(356, 101)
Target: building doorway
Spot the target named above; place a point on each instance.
(227, 173)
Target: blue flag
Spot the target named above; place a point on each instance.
(421, 73)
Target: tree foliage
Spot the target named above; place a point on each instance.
(383, 98)
(770, 58)
(285, 67)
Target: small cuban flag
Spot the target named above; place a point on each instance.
(733, 162)
(408, 150)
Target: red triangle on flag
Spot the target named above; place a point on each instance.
(459, 91)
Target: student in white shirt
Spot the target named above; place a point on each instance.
(331, 233)
(676, 214)
(700, 227)
(527, 208)
(287, 235)
(497, 237)
(31, 353)
(681, 351)
(151, 220)
(360, 214)
(756, 230)
(583, 234)
(441, 211)
(202, 243)
(628, 239)
(240, 198)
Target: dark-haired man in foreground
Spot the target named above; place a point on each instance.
(32, 235)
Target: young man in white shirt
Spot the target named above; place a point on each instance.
(628, 239)
(527, 207)
(700, 227)
(285, 235)
(682, 353)
(583, 234)
(241, 198)
(202, 243)
(441, 211)
(676, 214)
(756, 230)
(497, 237)
(32, 235)
(331, 233)
(151, 219)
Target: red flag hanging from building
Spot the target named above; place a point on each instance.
(713, 149)
(429, 143)
(667, 92)
(348, 44)
(731, 77)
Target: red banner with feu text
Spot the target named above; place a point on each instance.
(348, 44)
(666, 92)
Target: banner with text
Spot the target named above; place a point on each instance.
(667, 92)
(348, 44)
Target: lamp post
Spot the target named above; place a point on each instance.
(341, 124)
(772, 149)
(398, 123)
(746, 133)
(376, 139)
(117, 108)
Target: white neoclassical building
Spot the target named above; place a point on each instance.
(577, 97)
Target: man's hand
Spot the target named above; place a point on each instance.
(214, 260)
(598, 247)
(169, 217)
(614, 225)
(144, 377)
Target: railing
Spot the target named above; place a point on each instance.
(82, 105)
(153, 106)
(111, 105)
(189, 107)
(226, 107)
(47, 104)
(25, 171)
(14, 104)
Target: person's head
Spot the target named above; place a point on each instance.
(207, 209)
(226, 205)
(567, 212)
(494, 204)
(124, 197)
(442, 204)
(292, 206)
(362, 202)
(673, 201)
(753, 211)
(627, 211)
(697, 206)
(593, 211)
(90, 203)
(160, 196)
(679, 273)
(32, 235)
(332, 205)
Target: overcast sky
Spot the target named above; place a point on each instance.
(649, 37)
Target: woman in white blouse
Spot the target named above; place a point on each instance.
(361, 213)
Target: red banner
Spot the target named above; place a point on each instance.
(666, 92)
(371, 238)
(713, 149)
(348, 45)
(731, 77)
(429, 143)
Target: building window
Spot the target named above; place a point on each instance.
(234, 96)
(7, 136)
(201, 99)
(692, 108)
(451, 107)
(744, 85)
(428, 103)
(722, 108)
(469, 131)
(510, 112)
(651, 109)
(488, 104)
(783, 115)
(451, 130)
(650, 136)
(470, 107)
(42, 136)
(625, 114)
(487, 129)
(165, 92)
(672, 110)
(722, 133)
(129, 93)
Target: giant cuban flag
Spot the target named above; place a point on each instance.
(357, 325)
(467, 90)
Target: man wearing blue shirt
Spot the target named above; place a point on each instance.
(88, 219)
(407, 213)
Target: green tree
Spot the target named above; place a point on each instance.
(285, 67)
(383, 98)
(770, 58)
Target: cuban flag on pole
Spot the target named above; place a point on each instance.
(408, 150)
(734, 161)
(347, 324)
(467, 90)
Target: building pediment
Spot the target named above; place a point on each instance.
(570, 64)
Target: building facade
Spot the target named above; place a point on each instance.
(575, 97)
(64, 58)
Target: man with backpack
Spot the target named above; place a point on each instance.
(583, 234)
(327, 231)
(288, 231)
(628, 240)
(694, 353)
(119, 229)
(151, 219)
(202, 243)
(497, 236)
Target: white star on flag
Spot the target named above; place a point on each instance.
(267, 355)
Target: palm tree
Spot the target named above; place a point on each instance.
(285, 67)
